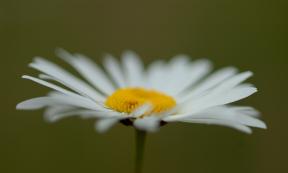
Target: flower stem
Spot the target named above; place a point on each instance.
(139, 154)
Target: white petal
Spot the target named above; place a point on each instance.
(150, 123)
(157, 75)
(227, 114)
(66, 94)
(227, 85)
(133, 69)
(209, 101)
(114, 70)
(59, 116)
(232, 82)
(40, 102)
(239, 127)
(235, 94)
(89, 70)
(35, 103)
(66, 78)
(233, 114)
(224, 93)
(47, 77)
(50, 85)
(105, 124)
(170, 74)
(54, 113)
(246, 110)
(196, 72)
(141, 110)
(54, 110)
(209, 83)
(101, 114)
(81, 100)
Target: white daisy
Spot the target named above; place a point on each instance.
(126, 92)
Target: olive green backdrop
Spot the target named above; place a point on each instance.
(250, 34)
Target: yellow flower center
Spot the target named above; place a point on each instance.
(128, 99)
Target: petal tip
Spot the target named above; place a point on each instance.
(19, 106)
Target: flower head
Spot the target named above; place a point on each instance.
(175, 91)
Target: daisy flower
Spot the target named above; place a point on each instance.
(144, 98)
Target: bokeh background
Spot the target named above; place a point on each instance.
(250, 34)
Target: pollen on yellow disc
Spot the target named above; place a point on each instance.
(128, 99)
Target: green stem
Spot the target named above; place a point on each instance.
(139, 154)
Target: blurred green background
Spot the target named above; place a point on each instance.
(250, 34)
